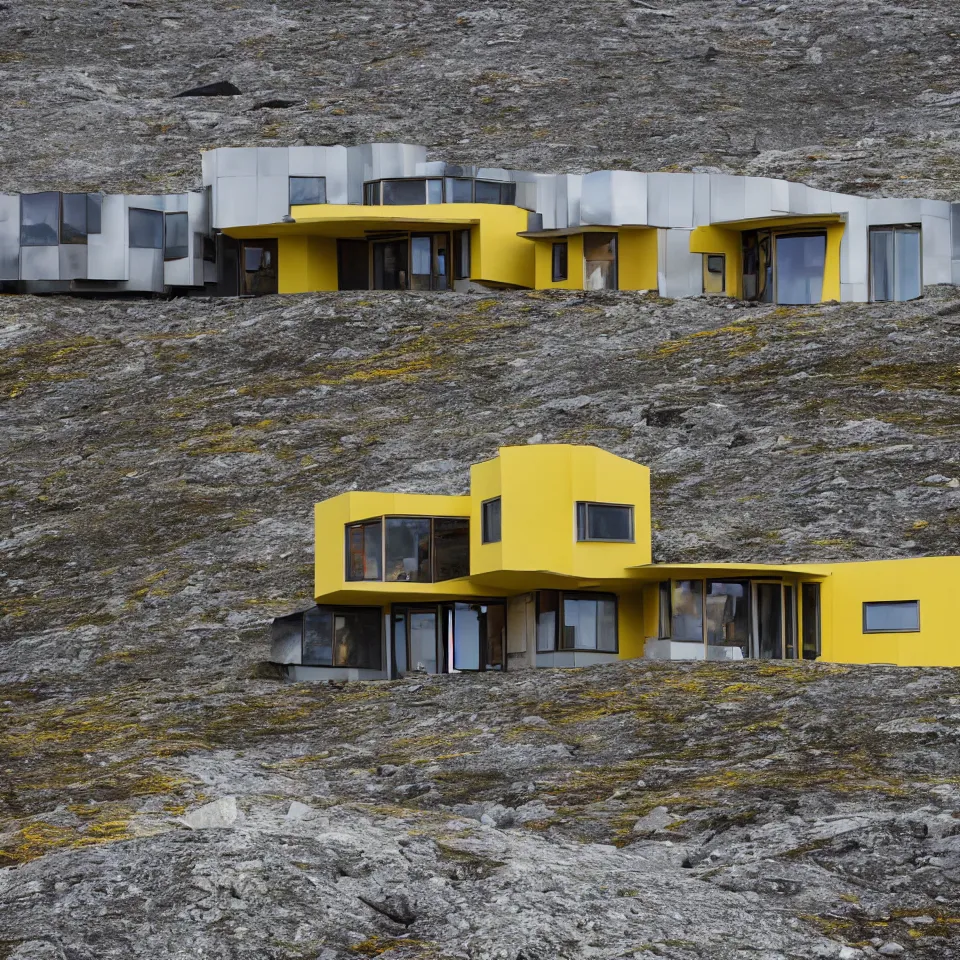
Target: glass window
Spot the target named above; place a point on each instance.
(451, 548)
(495, 615)
(461, 254)
(727, 612)
(810, 614)
(769, 621)
(687, 610)
(420, 263)
(600, 261)
(209, 250)
(407, 553)
(790, 620)
(490, 521)
(94, 212)
(909, 285)
(357, 639)
(486, 191)
(304, 190)
(548, 606)
(146, 229)
(559, 271)
(664, 620)
(363, 550)
(800, 260)
(286, 633)
(423, 641)
(714, 272)
(881, 265)
(459, 190)
(318, 637)
(434, 191)
(73, 218)
(371, 193)
(895, 267)
(175, 236)
(400, 642)
(589, 622)
(508, 193)
(39, 219)
(466, 635)
(399, 192)
(891, 616)
(604, 521)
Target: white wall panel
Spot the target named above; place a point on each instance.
(727, 197)
(236, 162)
(236, 201)
(273, 199)
(272, 162)
(40, 263)
(73, 261)
(9, 237)
(107, 250)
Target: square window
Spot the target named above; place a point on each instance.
(605, 521)
(490, 521)
(146, 229)
(306, 190)
(895, 263)
(891, 616)
(559, 260)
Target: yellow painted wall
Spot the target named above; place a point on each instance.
(497, 254)
(631, 624)
(931, 580)
(727, 242)
(544, 263)
(637, 259)
(831, 270)
(306, 264)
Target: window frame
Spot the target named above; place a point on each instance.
(890, 603)
(484, 505)
(586, 504)
(137, 246)
(895, 229)
(561, 622)
(168, 252)
(370, 522)
(560, 250)
(323, 191)
(57, 219)
(722, 272)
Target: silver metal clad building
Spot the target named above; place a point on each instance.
(55, 242)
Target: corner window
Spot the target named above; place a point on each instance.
(605, 521)
(714, 273)
(490, 521)
(364, 543)
(589, 622)
(146, 229)
(306, 190)
(895, 266)
(350, 637)
(891, 616)
(176, 232)
(559, 261)
(810, 617)
(451, 548)
(73, 218)
(461, 254)
(39, 219)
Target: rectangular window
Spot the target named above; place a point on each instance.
(364, 542)
(800, 260)
(407, 550)
(605, 521)
(559, 261)
(73, 218)
(146, 229)
(490, 521)
(371, 193)
(94, 212)
(459, 190)
(714, 273)
(318, 637)
(306, 190)
(39, 219)
(434, 191)
(486, 191)
(451, 548)
(589, 622)
(175, 236)
(810, 614)
(663, 631)
(600, 261)
(727, 614)
(402, 192)
(358, 638)
(895, 265)
(461, 254)
(508, 194)
(790, 620)
(548, 609)
(891, 616)
(686, 605)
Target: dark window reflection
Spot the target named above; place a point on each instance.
(176, 236)
(73, 218)
(407, 549)
(304, 190)
(146, 229)
(39, 219)
(451, 547)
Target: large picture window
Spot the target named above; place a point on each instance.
(408, 549)
(605, 521)
(146, 229)
(589, 622)
(895, 265)
(490, 521)
(349, 637)
(891, 616)
(39, 219)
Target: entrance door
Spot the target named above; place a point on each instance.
(390, 264)
(353, 266)
(422, 630)
(600, 261)
(757, 265)
(430, 261)
(768, 621)
(800, 261)
(476, 635)
(258, 267)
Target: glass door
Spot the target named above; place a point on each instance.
(390, 264)
(800, 260)
(415, 647)
(757, 266)
(599, 261)
(258, 267)
(768, 621)
(476, 635)
(430, 261)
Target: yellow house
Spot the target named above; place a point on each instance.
(547, 562)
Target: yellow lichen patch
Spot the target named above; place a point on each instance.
(37, 838)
